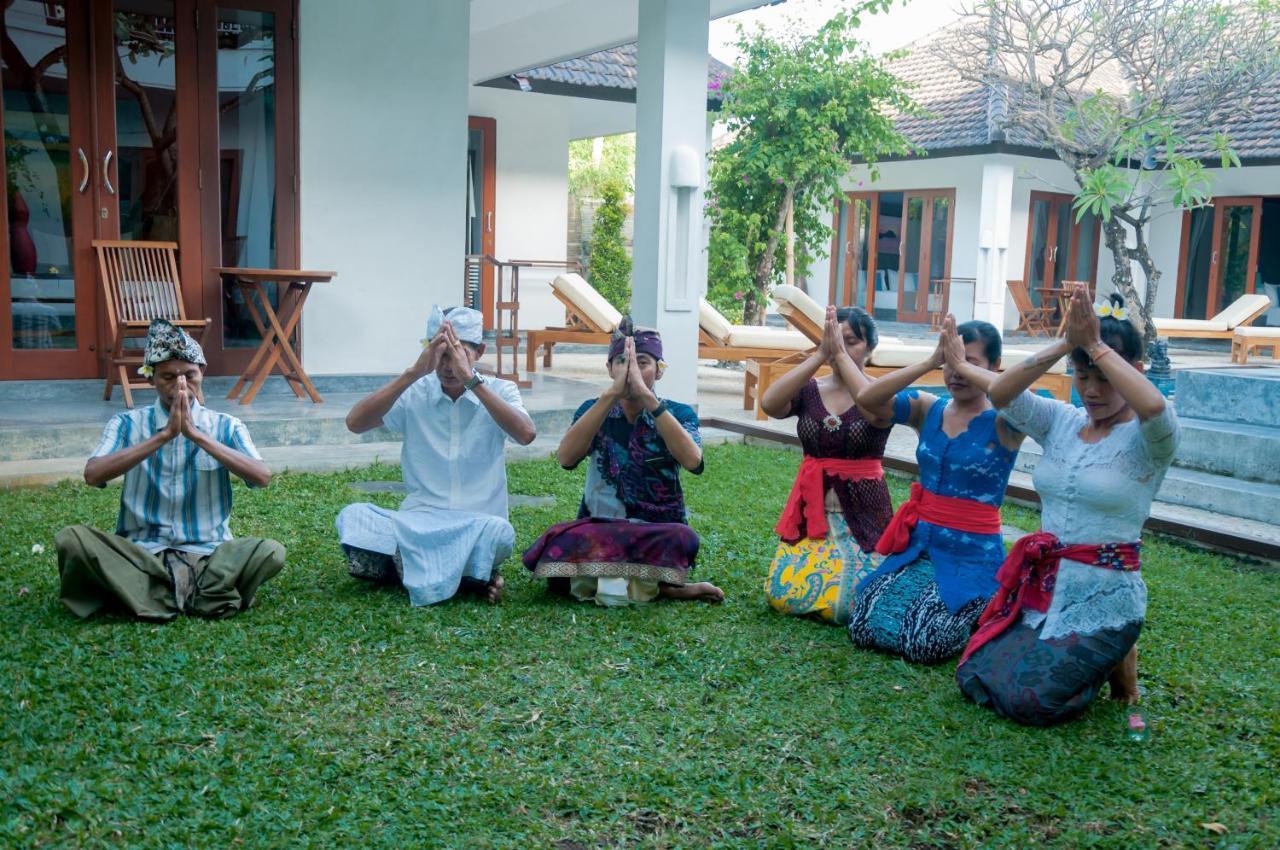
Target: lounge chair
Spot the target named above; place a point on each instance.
(1245, 340)
(591, 320)
(1240, 313)
(588, 319)
(803, 313)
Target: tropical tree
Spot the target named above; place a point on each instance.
(593, 163)
(1129, 95)
(610, 264)
(800, 109)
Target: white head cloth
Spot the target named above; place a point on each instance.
(468, 324)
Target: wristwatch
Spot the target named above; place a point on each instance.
(659, 410)
(476, 380)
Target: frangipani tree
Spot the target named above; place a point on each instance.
(1130, 95)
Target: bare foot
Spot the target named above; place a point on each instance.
(1124, 680)
(490, 591)
(493, 591)
(701, 591)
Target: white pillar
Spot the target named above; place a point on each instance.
(669, 270)
(993, 241)
(383, 147)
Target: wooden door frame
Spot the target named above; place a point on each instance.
(851, 258)
(924, 261)
(190, 213)
(1215, 266)
(1051, 240)
(228, 361)
(82, 361)
(488, 128)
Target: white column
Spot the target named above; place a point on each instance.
(669, 269)
(383, 150)
(993, 241)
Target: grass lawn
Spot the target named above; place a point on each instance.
(335, 715)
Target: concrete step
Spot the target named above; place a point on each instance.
(317, 426)
(1247, 452)
(1193, 488)
(301, 458)
(1247, 395)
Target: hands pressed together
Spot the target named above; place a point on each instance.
(1083, 328)
(180, 421)
(444, 346)
(628, 382)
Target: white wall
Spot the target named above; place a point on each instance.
(383, 140)
(531, 217)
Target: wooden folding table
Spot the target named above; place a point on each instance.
(276, 329)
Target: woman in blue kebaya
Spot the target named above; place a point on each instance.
(944, 544)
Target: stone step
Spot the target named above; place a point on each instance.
(318, 426)
(301, 458)
(1248, 395)
(1247, 452)
(1218, 494)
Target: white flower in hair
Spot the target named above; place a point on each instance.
(1105, 310)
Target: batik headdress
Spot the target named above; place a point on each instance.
(166, 341)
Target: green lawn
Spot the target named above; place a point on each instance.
(334, 715)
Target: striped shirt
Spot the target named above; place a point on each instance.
(180, 496)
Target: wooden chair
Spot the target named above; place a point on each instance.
(139, 283)
(1034, 320)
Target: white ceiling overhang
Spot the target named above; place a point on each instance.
(509, 36)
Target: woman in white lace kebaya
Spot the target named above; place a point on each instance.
(1071, 600)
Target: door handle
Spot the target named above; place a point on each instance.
(106, 173)
(1213, 258)
(489, 218)
(84, 161)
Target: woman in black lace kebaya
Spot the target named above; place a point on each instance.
(839, 504)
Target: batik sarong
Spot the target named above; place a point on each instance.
(615, 548)
(902, 613)
(1040, 682)
(818, 577)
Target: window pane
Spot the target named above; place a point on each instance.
(888, 241)
(1195, 283)
(39, 179)
(247, 151)
(840, 260)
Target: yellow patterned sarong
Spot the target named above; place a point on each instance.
(819, 577)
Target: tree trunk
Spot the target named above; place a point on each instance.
(1152, 274)
(1122, 277)
(754, 304)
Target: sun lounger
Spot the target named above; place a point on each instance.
(1240, 313)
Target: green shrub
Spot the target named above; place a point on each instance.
(728, 277)
(610, 265)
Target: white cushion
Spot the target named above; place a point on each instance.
(1214, 324)
(1249, 331)
(713, 322)
(1242, 309)
(1011, 357)
(753, 336)
(893, 355)
(590, 304)
(787, 294)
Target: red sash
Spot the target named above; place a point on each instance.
(947, 511)
(1028, 574)
(805, 514)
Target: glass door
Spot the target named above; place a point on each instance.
(481, 188)
(248, 139)
(48, 299)
(1234, 261)
(888, 256)
(853, 263)
(1059, 248)
(926, 251)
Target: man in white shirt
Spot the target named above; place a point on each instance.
(451, 531)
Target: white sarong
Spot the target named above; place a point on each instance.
(437, 547)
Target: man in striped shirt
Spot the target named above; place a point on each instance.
(172, 551)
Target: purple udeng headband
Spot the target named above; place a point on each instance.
(647, 342)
